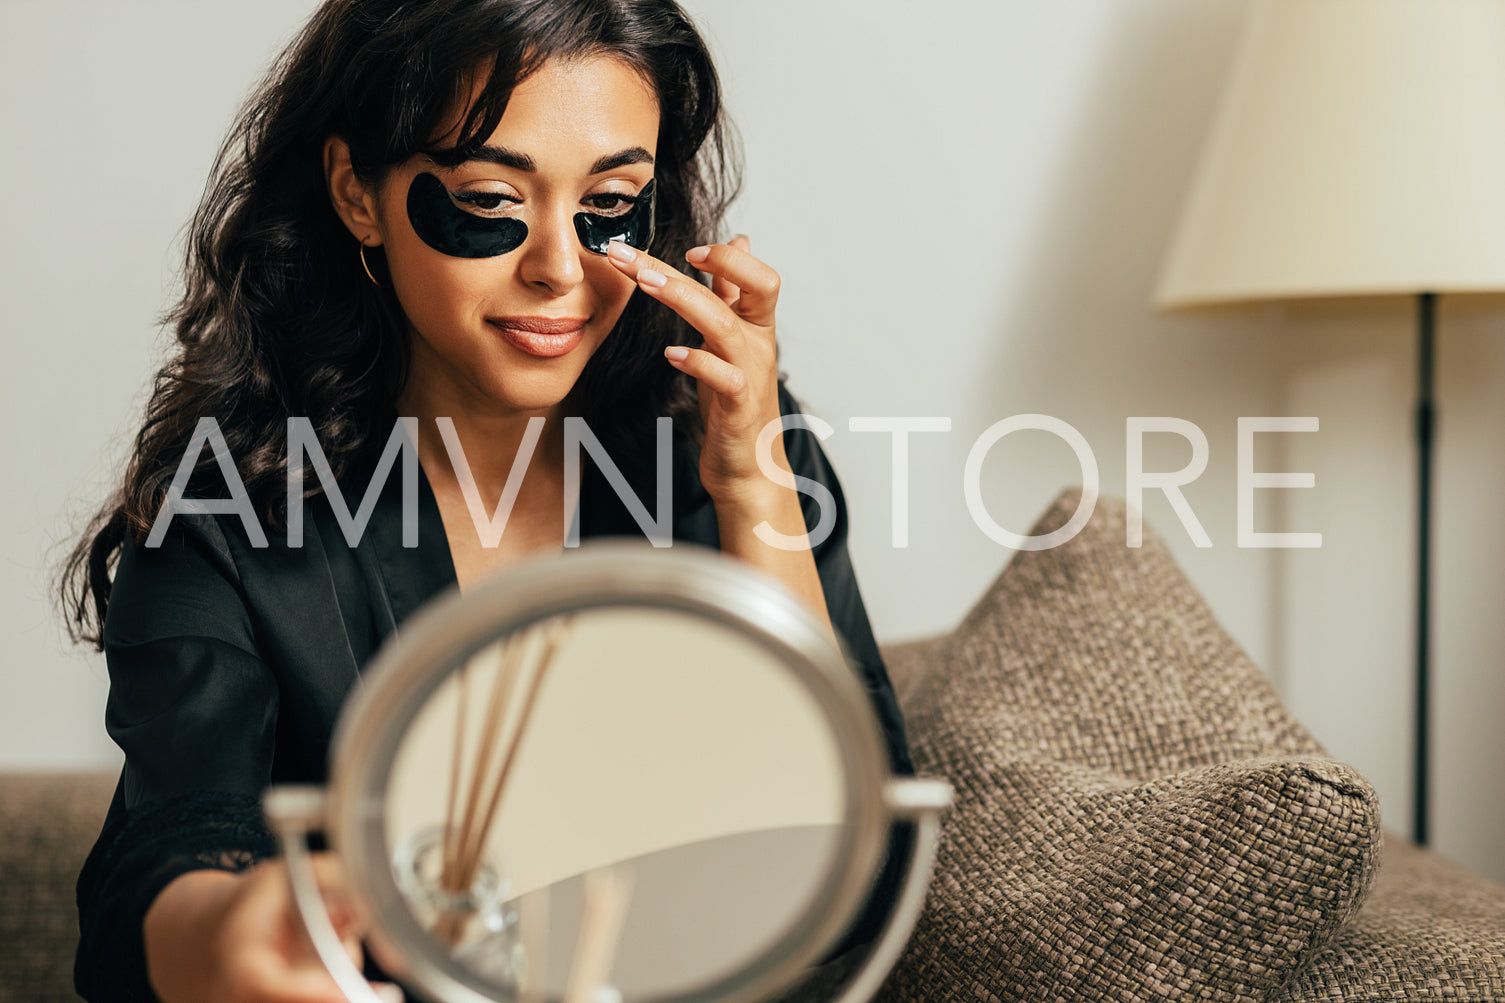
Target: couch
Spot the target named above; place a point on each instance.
(1137, 817)
(48, 822)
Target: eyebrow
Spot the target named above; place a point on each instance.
(522, 162)
(610, 162)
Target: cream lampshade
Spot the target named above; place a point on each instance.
(1359, 150)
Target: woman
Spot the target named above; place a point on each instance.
(486, 215)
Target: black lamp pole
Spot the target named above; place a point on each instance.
(1426, 422)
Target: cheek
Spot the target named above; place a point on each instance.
(432, 286)
(609, 287)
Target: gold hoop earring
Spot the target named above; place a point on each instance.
(368, 268)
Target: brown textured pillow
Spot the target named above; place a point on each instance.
(1430, 930)
(1137, 815)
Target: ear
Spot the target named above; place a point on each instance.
(354, 202)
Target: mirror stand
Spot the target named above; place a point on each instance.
(296, 811)
(676, 763)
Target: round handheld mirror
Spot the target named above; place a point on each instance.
(622, 775)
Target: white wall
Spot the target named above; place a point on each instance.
(1346, 611)
(968, 203)
(969, 209)
(111, 115)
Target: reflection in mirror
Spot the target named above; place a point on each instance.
(637, 791)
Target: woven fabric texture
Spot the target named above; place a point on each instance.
(1430, 930)
(1137, 814)
(49, 821)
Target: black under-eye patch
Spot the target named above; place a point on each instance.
(451, 230)
(635, 226)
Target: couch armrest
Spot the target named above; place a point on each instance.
(48, 822)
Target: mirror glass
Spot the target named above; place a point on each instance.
(634, 797)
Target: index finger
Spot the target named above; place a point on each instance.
(717, 323)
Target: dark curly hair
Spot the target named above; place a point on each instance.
(276, 320)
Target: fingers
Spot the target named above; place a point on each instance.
(725, 291)
(241, 937)
(275, 981)
(717, 324)
(711, 370)
(720, 285)
(262, 972)
(752, 285)
(317, 987)
(294, 973)
(343, 918)
(342, 913)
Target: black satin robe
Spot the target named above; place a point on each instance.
(229, 665)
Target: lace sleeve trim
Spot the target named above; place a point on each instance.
(137, 855)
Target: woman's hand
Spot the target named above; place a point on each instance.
(212, 935)
(737, 374)
(737, 369)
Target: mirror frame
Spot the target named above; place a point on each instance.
(613, 575)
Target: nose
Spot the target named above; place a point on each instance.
(551, 254)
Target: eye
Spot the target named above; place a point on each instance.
(488, 201)
(611, 203)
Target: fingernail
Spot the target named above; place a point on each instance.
(676, 353)
(388, 993)
(696, 255)
(652, 279)
(621, 250)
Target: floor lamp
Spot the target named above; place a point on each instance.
(1359, 150)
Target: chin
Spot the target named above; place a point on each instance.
(533, 395)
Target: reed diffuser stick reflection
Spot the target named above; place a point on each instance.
(606, 892)
(465, 839)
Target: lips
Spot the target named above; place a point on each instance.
(544, 337)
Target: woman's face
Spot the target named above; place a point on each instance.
(511, 332)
